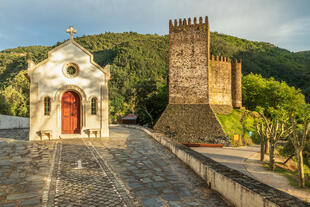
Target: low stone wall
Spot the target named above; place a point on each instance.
(239, 189)
(13, 122)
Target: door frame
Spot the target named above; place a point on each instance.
(80, 118)
(57, 98)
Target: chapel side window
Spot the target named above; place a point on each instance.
(47, 105)
(94, 106)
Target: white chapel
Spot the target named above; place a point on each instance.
(68, 94)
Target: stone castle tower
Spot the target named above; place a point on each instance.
(199, 85)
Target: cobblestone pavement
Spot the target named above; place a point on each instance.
(151, 172)
(91, 183)
(24, 167)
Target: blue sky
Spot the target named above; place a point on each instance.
(285, 23)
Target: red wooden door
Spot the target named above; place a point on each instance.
(70, 113)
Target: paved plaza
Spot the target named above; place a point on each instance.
(128, 169)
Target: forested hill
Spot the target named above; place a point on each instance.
(140, 67)
(306, 54)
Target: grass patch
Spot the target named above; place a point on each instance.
(231, 125)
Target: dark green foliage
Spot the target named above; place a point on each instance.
(12, 61)
(151, 100)
(17, 95)
(4, 106)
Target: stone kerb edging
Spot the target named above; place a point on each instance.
(239, 189)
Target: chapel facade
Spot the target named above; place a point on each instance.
(68, 94)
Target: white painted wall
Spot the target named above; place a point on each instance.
(13, 122)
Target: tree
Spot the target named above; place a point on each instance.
(151, 100)
(276, 128)
(253, 90)
(273, 100)
(17, 95)
(260, 129)
(298, 138)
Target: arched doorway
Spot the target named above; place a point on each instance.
(70, 113)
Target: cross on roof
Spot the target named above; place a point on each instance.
(71, 31)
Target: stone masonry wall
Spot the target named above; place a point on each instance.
(188, 61)
(236, 91)
(195, 123)
(220, 83)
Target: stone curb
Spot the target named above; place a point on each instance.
(47, 188)
(239, 189)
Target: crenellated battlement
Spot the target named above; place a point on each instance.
(235, 61)
(224, 59)
(220, 59)
(181, 24)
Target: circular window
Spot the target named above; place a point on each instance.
(71, 70)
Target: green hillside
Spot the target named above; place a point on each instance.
(140, 67)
